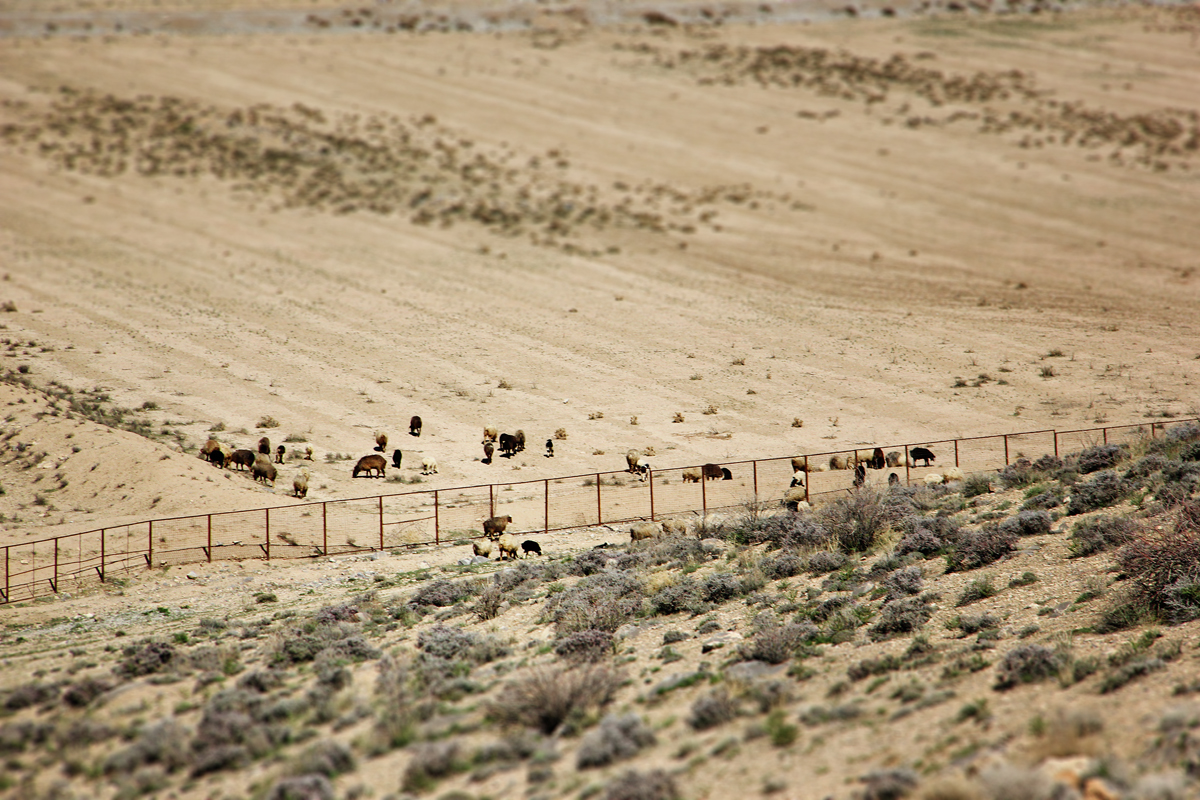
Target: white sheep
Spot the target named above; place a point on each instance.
(508, 546)
(429, 465)
(483, 548)
(933, 479)
(300, 484)
(644, 530)
(952, 474)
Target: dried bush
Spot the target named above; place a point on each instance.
(82, 693)
(1008, 782)
(719, 587)
(16, 736)
(776, 644)
(590, 562)
(1101, 491)
(589, 645)
(301, 787)
(857, 522)
(236, 727)
(906, 615)
(1029, 663)
(682, 596)
(1102, 456)
(145, 658)
(488, 605)
(976, 485)
(31, 694)
(448, 643)
(787, 531)
(616, 739)
(1020, 473)
(1163, 563)
(429, 763)
(1027, 523)
(1045, 500)
(712, 709)
(824, 561)
(327, 757)
(1144, 467)
(441, 593)
(974, 624)
(546, 697)
(873, 666)
(400, 708)
(888, 784)
(980, 548)
(164, 744)
(1100, 534)
(903, 582)
(784, 564)
(632, 785)
(604, 601)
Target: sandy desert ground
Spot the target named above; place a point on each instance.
(946, 223)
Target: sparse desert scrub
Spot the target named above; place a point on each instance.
(1100, 534)
(859, 521)
(1103, 490)
(712, 709)
(616, 738)
(980, 548)
(1029, 663)
(547, 697)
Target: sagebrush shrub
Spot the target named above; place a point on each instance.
(1103, 456)
(976, 590)
(1163, 564)
(889, 784)
(448, 643)
(604, 601)
(906, 615)
(301, 787)
(590, 562)
(682, 596)
(784, 564)
(430, 762)
(824, 561)
(441, 593)
(145, 658)
(588, 645)
(712, 709)
(980, 548)
(719, 587)
(903, 582)
(976, 485)
(1100, 533)
(857, 522)
(1027, 523)
(1101, 491)
(776, 644)
(653, 785)
(1045, 500)
(1028, 663)
(546, 697)
(616, 738)
(164, 744)
(31, 694)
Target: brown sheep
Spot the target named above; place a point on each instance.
(519, 438)
(644, 530)
(714, 472)
(692, 475)
(279, 451)
(482, 548)
(308, 453)
(264, 446)
(414, 426)
(210, 446)
(263, 470)
(370, 464)
(300, 484)
(800, 464)
(488, 450)
(894, 458)
(380, 442)
(494, 526)
(508, 546)
(675, 527)
(878, 459)
(838, 462)
(241, 458)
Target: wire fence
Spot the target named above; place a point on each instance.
(443, 516)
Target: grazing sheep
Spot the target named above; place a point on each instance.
(490, 433)
(264, 446)
(894, 458)
(726, 475)
(308, 451)
(519, 438)
(952, 474)
(483, 548)
(837, 462)
(488, 449)
(279, 451)
(494, 526)
(922, 454)
(508, 445)
(380, 442)
(263, 470)
(860, 474)
(300, 484)
(800, 464)
(642, 468)
(793, 498)
(397, 457)
(370, 464)
(677, 527)
(644, 530)
(549, 448)
(241, 458)
(863, 456)
(692, 475)
(217, 457)
(631, 458)
(508, 546)
(878, 459)
(414, 426)
(797, 479)
(429, 465)
(933, 479)
(530, 546)
(209, 446)
(893, 479)
(712, 472)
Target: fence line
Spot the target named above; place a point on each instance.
(437, 516)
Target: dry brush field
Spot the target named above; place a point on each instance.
(708, 232)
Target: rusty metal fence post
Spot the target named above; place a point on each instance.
(546, 510)
(956, 453)
(208, 551)
(101, 568)
(267, 538)
(150, 544)
(599, 507)
(381, 523)
(807, 480)
(650, 477)
(907, 467)
(703, 492)
(1006, 449)
(754, 470)
(324, 528)
(437, 522)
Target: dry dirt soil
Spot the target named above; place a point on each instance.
(901, 225)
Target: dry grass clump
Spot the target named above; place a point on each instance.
(615, 739)
(1100, 534)
(1029, 663)
(547, 697)
(1163, 565)
(429, 763)
(980, 548)
(267, 422)
(604, 601)
(1105, 489)
(857, 522)
(713, 709)
(653, 785)
(560, 433)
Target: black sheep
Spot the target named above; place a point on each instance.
(893, 479)
(508, 445)
(860, 474)
(530, 546)
(414, 427)
(396, 456)
(279, 451)
(549, 448)
(878, 460)
(922, 454)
